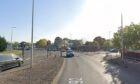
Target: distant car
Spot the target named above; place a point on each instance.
(114, 50)
(27, 48)
(69, 53)
(9, 61)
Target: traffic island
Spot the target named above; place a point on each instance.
(42, 72)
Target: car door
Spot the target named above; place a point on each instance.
(15, 60)
(2, 67)
(6, 61)
(9, 63)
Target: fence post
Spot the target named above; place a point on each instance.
(47, 53)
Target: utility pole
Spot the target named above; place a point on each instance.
(122, 40)
(32, 32)
(12, 38)
(109, 41)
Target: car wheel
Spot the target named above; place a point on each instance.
(22, 62)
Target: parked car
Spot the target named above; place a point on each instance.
(8, 61)
(114, 50)
(69, 53)
(17, 57)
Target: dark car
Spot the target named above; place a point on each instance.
(9, 61)
(69, 53)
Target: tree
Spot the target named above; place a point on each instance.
(88, 43)
(49, 45)
(107, 44)
(99, 41)
(24, 44)
(58, 42)
(48, 42)
(41, 43)
(96, 44)
(89, 46)
(116, 40)
(76, 44)
(27, 45)
(131, 36)
(15, 45)
(66, 42)
(3, 43)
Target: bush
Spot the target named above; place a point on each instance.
(3, 44)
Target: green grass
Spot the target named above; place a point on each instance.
(17, 52)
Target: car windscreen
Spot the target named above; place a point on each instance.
(70, 51)
(14, 56)
(5, 58)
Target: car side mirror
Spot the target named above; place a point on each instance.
(17, 58)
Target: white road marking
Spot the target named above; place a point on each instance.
(75, 81)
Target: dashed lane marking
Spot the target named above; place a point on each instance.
(75, 81)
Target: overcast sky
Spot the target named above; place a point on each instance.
(76, 19)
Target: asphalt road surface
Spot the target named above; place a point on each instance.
(81, 70)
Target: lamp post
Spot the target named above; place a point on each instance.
(32, 32)
(122, 38)
(12, 37)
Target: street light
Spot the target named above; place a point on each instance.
(32, 30)
(122, 39)
(12, 37)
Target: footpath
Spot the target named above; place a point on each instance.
(128, 73)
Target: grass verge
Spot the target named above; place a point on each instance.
(17, 52)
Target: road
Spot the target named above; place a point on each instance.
(91, 68)
(81, 70)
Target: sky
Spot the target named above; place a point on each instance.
(75, 19)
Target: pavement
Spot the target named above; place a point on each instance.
(126, 74)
